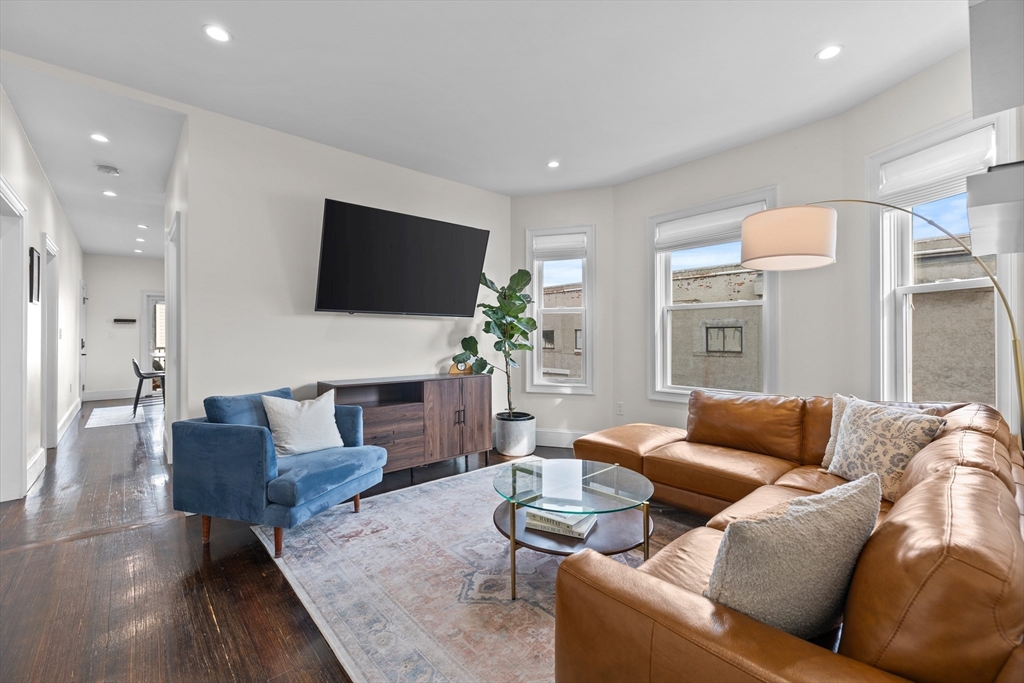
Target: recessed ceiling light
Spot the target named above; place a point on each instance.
(109, 193)
(138, 251)
(99, 137)
(144, 227)
(217, 33)
(553, 164)
(139, 239)
(829, 52)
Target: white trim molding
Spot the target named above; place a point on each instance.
(35, 467)
(111, 395)
(13, 348)
(69, 417)
(723, 219)
(12, 197)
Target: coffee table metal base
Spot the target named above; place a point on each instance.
(613, 533)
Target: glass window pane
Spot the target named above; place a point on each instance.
(713, 274)
(716, 348)
(953, 346)
(560, 358)
(937, 258)
(563, 283)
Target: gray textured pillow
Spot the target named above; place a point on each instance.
(790, 567)
(880, 439)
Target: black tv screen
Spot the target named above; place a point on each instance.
(376, 261)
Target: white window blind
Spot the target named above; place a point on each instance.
(704, 229)
(941, 168)
(559, 247)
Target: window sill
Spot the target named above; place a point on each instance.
(570, 389)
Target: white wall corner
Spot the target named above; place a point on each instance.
(35, 466)
(69, 417)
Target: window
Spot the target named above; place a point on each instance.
(561, 260)
(711, 324)
(938, 320)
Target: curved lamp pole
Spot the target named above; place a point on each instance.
(801, 237)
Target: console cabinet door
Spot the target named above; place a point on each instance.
(476, 418)
(442, 402)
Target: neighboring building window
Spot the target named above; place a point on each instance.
(712, 325)
(562, 262)
(939, 319)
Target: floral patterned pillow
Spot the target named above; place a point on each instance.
(880, 439)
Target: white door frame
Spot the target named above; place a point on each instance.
(149, 297)
(83, 296)
(175, 389)
(13, 345)
(51, 287)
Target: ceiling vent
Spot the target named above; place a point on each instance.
(108, 170)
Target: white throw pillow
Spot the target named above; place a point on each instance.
(839, 403)
(881, 439)
(791, 565)
(302, 426)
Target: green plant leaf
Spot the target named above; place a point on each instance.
(528, 323)
(519, 280)
(526, 297)
(513, 309)
(488, 283)
(512, 363)
(462, 357)
(470, 344)
(523, 347)
(491, 328)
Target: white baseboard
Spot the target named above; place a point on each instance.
(558, 438)
(69, 417)
(168, 446)
(108, 395)
(35, 466)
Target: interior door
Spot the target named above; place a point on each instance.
(442, 400)
(476, 416)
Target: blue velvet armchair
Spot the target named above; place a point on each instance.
(225, 466)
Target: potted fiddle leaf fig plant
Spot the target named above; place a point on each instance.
(516, 432)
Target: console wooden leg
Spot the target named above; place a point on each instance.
(206, 529)
(278, 541)
(355, 502)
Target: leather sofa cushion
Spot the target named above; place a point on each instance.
(767, 496)
(938, 590)
(303, 477)
(941, 409)
(245, 409)
(687, 561)
(817, 427)
(967, 448)
(723, 473)
(810, 478)
(765, 424)
(978, 417)
(625, 444)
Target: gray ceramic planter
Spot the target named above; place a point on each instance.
(515, 436)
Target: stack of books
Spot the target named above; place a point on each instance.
(566, 524)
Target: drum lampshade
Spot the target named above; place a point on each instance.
(789, 238)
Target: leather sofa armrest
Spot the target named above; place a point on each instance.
(613, 623)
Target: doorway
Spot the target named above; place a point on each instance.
(50, 288)
(13, 347)
(153, 351)
(82, 299)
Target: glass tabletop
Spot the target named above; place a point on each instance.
(578, 487)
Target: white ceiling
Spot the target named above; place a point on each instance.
(487, 93)
(58, 117)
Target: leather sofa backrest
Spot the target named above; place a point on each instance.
(961, 448)
(759, 423)
(977, 417)
(817, 428)
(937, 592)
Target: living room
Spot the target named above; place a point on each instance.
(621, 154)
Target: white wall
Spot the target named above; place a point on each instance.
(115, 286)
(825, 317)
(20, 167)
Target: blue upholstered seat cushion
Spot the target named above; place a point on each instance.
(303, 477)
(246, 409)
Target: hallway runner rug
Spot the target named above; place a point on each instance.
(415, 587)
(117, 415)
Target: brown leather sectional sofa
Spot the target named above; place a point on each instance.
(937, 595)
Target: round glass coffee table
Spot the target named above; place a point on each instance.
(574, 488)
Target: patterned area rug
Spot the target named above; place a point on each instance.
(415, 587)
(117, 415)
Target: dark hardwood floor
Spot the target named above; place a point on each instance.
(100, 579)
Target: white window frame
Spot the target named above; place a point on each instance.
(892, 262)
(660, 307)
(535, 381)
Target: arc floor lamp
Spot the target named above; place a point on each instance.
(802, 237)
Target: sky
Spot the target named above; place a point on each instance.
(705, 257)
(563, 272)
(950, 213)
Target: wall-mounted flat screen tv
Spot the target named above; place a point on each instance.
(376, 261)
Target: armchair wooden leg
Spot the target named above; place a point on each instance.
(278, 541)
(206, 529)
(355, 502)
